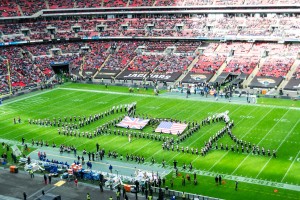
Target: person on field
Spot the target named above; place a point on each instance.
(236, 185)
(110, 168)
(45, 179)
(216, 180)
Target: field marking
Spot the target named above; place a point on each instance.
(108, 120)
(206, 132)
(183, 97)
(40, 108)
(64, 110)
(173, 116)
(115, 137)
(173, 157)
(25, 121)
(210, 174)
(208, 105)
(27, 97)
(38, 127)
(278, 147)
(143, 146)
(242, 136)
(259, 142)
(199, 172)
(212, 127)
(290, 166)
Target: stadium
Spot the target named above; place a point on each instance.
(149, 99)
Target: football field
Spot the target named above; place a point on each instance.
(269, 126)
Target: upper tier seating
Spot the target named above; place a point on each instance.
(9, 8)
(161, 26)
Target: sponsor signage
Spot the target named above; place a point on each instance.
(196, 78)
(266, 82)
(137, 75)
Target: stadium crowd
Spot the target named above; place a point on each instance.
(30, 64)
(156, 26)
(30, 7)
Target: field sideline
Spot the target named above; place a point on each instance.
(269, 126)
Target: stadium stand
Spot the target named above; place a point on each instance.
(242, 64)
(30, 7)
(276, 67)
(4, 87)
(72, 40)
(208, 64)
(9, 8)
(161, 26)
(54, 4)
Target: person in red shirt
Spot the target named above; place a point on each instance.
(76, 182)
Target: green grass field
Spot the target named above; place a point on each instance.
(271, 127)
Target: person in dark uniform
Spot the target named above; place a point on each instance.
(49, 179)
(216, 180)
(191, 167)
(236, 185)
(220, 179)
(163, 163)
(24, 195)
(97, 146)
(274, 153)
(124, 192)
(175, 164)
(101, 186)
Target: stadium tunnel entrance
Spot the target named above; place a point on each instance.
(60, 68)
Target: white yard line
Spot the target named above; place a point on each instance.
(143, 146)
(24, 121)
(290, 166)
(173, 157)
(33, 95)
(260, 142)
(241, 137)
(211, 128)
(40, 108)
(207, 132)
(187, 118)
(181, 98)
(209, 174)
(278, 147)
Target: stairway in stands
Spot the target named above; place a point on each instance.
(20, 9)
(125, 67)
(221, 69)
(254, 72)
(289, 74)
(81, 67)
(47, 4)
(190, 67)
(103, 64)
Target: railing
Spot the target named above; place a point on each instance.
(175, 193)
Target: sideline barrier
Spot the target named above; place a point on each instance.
(179, 194)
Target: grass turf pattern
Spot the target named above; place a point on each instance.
(269, 127)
